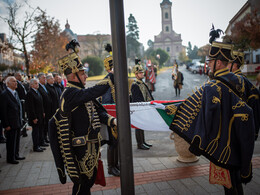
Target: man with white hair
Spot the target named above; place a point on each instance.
(21, 93)
(35, 113)
(12, 120)
(53, 93)
(46, 106)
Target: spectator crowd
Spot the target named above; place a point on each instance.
(27, 100)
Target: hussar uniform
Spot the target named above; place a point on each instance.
(109, 98)
(249, 92)
(75, 129)
(213, 121)
(140, 93)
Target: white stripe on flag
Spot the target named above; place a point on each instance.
(145, 116)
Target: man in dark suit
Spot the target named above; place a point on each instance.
(2, 137)
(12, 120)
(36, 114)
(22, 94)
(46, 106)
(53, 94)
(58, 86)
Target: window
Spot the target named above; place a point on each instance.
(168, 49)
(257, 58)
(166, 15)
(167, 29)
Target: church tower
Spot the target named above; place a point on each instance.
(168, 39)
(166, 9)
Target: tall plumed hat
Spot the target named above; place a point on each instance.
(71, 63)
(138, 68)
(238, 58)
(137, 61)
(219, 50)
(108, 61)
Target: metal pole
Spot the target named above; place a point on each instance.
(122, 96)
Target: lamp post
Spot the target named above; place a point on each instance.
(122, 98)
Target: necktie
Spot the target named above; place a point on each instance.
(37, 92)
(44, 88)
(25, 92)
(20, 105)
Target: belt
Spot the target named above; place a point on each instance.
(82, 140)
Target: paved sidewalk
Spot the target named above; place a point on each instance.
(179, 180)
(153, 175)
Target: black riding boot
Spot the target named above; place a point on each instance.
(146, 144)
(112, 170)
(139, 140)
(116, 157)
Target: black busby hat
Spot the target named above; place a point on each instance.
(219, 50)
(138, 68)
(71, 63)
(108, 61)
(238, 58)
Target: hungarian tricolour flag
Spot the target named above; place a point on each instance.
(150, 116)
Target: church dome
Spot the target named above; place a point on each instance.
(69, 32)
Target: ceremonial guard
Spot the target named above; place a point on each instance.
(140, 93)
(250, 93)
(109, 98)
(219, 124)
(75, 128)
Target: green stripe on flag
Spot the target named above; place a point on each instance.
(167, 118)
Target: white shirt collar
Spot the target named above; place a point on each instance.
(12, 91)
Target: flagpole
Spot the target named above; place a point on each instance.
(122, 98)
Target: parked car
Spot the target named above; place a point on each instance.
(196, 68)
(188, 65)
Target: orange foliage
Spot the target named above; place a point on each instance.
(246, 33)
(49, 44)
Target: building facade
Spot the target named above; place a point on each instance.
(90, 44)
(6, 52)
(168, 39)
(251, 57)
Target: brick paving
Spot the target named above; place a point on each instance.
(179, 180)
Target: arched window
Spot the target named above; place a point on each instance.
(168, 49)
(166, 15)
(167, 29)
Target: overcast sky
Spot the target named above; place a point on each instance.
(191, 18)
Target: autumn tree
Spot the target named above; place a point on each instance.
(49, 44)
(203, 52)
(245, 34)
(183, 57)
(22, 27)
